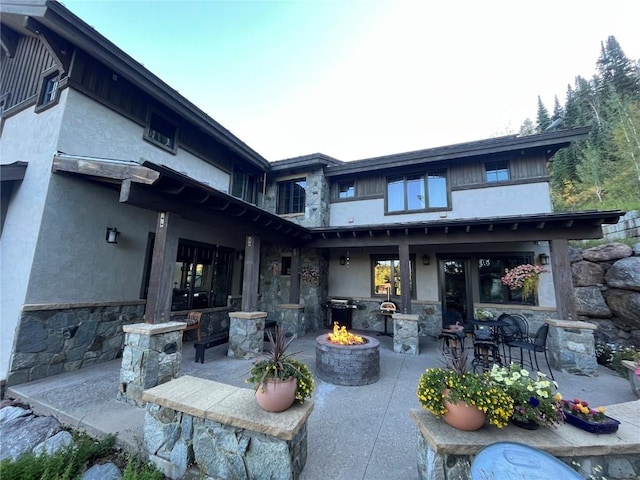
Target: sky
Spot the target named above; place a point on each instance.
(359, 79)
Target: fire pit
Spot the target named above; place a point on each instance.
(348, 364)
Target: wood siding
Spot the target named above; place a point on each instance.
(20, 75)
(459, 176)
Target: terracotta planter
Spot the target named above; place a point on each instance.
(277, 395)
(463, 416)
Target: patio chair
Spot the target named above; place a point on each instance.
(193, 323)
(516, 460)
(536, 345)
(517, 328)
(451, 334)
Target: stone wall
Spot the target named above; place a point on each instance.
(60, 338)
(627, 227)
(606, 282)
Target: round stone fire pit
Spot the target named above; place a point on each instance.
(350, 365)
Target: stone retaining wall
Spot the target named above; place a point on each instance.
(221, 428)
(444, 452)
(53, 339)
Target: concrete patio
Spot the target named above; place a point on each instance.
(363, 432)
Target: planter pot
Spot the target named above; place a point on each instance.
(277, 395)
(463, 416)
(526, 424)
(608, 425)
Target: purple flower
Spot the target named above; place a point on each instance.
(534, 402)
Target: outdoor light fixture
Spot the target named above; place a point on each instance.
(425, 260)
(544, 259)
(112, 235)
(343, 260)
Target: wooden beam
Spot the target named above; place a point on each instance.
(105, 169)
(251, 273)
(9, 40)
(165, 248)
(405, 278)
(562, 280)
(59, 49)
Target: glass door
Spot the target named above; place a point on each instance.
(455, 284)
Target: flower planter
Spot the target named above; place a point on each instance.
(463, 416)
(276, 395)
(608, 425)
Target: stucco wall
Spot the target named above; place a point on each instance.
(481, 202)
(29, 138)
(93, 130)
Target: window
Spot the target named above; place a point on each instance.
(491, 269)
(244, 186)
(291, 196)
(347, 190)
(385, 272)
(406, 193)
(161, 132)
(497, 171)
(202, 276)
(48, 94)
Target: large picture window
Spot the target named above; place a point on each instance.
(418, 192)
(385, 272)
(491, 269)
(291, 196)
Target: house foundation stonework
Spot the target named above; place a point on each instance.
(152, 356)
(405, 334)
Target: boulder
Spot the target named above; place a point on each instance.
(607, 252)
(625, 274)
(636, 249)
(587, 274)
(625, 305)
(575, 254)
(590, 302)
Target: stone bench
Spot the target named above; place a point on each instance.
(633, 378)
(445, 452)
(222, 429)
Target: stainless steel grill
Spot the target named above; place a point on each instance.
(341, 310)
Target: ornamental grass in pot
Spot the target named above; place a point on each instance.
(280, 379)
(440, 390)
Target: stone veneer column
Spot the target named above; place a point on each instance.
(571, 346)
(152, 355)
(405, 334)
(246, 334)
(291, 317)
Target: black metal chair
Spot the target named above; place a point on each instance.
(452, 337)
(517, 328)
(536, 345)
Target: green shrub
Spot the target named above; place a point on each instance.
(138, 470)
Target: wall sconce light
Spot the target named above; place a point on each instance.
(426, 260)
(343, 260)
(240, 255)
(544, 259)
(112, 235)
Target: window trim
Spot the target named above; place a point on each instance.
(374, 258)
(45, 78)
(290, 200)
(173, 147)
(425, 177)
(495, 167)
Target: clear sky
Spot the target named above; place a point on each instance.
(357, 79)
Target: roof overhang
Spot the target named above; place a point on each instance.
(159, 188)
(13, 172)
(540, 227)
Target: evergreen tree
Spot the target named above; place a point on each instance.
(527, 128)
(558, 111)
(615, 70)
(543, 120)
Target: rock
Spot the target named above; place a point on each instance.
(590, 302)
(11, 413)
(636, 249)
(625, 306)
(625, 274)
(575, 254)
(52, 444)
(587, 274)
(609, 251)
(105, 471)
(22, 434)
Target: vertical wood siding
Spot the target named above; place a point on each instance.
(20, 75)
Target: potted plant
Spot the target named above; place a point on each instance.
(535, 403)
(579, 414)
(525, 277)
(280, 379)
(454, 390)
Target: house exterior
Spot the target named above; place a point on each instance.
(95, 149)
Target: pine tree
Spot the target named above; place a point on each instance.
(616, 71)
(543, 120)
(558, 111)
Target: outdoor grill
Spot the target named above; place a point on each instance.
(341, 310)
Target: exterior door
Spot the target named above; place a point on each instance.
(456, 288)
